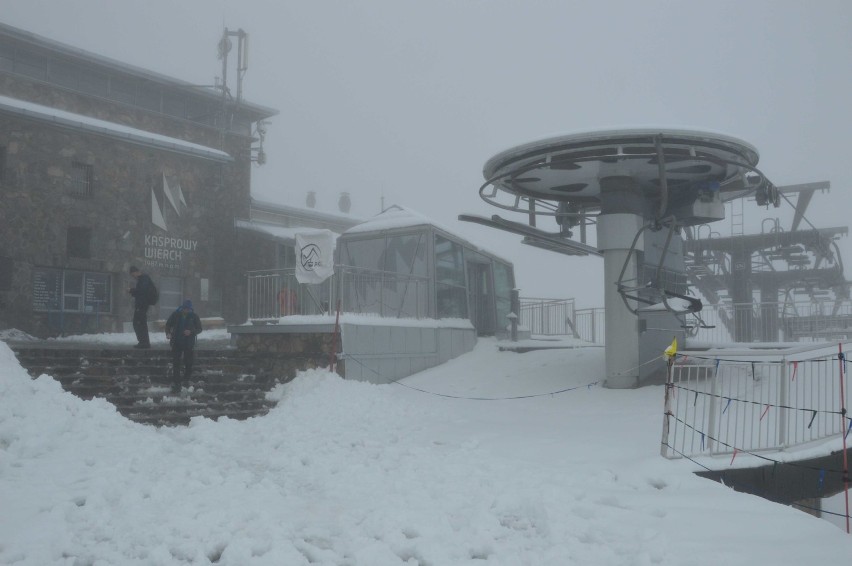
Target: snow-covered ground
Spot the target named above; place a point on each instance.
(349, 473)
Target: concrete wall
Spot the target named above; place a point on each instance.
(381, 354)
(367, 352)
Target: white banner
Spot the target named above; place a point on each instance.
(315, 256)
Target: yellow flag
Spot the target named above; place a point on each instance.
(671, 351)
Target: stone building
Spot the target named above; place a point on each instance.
(104, 165)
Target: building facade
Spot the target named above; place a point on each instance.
(103, 166)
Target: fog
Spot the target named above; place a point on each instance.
(403, 102)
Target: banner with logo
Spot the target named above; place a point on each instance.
(314, 256)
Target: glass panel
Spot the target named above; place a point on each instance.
(174, 105)
(171, 295)
(122, 90)
(7, 57)
(149, 97)
(64, 74)
(503, 285)
(451, 294)
(31, 65)
(73, 291)
(406, 254)
(202, 111)
(93, 83)
(451, 301)
(365, 254)
(449, 263)
(73, 283)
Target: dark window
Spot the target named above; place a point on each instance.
(174, 105)
(31, 65)
(6, 266)
(2, 164)
(149, 97)
(122, 90)
(7, 57)
(79, 242)
(93, 83)
(81, 180)
(64, 74)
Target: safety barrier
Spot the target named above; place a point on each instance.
(591, 325)
(548, 317)
(721, 405)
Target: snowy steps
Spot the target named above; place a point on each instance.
(225, 383)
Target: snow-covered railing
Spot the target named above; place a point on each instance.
(724, 402)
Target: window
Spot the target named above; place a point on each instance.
(450, 279)
(72, 291)
(174, 105)
(503, 285)
(7, 57)
(171, 295)
(81, 180)
(93, 83)
(148, 97)
(6, 266)
(122, 90)
(31, 65)
(64, 74)
(79, 242)
(2, 164)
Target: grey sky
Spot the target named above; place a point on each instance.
(409, 99)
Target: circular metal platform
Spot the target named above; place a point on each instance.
(575, 168)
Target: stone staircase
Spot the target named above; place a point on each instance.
(225, 382)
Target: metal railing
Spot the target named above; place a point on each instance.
(718, 407)
(775, 322)
(560, 317)
(276, 293)
(548, 317)
(590, 325)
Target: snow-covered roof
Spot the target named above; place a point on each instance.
(297, 212)
(128, 134)
(286, 234)
(396, 216)
(400, 217)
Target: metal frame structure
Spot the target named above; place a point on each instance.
(631, 184)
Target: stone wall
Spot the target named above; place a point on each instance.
(316, 347)
(37, 208)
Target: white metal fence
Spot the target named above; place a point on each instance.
(560, 317)
(590, 325)
(548, 317)
(718, 406)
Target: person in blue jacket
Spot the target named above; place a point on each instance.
(182, 327)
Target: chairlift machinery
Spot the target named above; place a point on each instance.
(639, 187)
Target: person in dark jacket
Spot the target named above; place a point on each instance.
(143, 294)
(182, 327)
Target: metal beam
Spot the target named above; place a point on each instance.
(536, 237)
